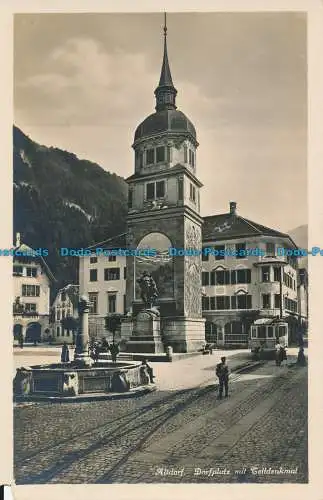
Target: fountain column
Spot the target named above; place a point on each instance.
(81, 354)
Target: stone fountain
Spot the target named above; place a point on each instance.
(80, 378)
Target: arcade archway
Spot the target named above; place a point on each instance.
(33, 332)
(235, 334)
(211, 332)
(17, 331)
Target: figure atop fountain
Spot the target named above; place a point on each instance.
(83, 304)
(81, 353)
(149, 291)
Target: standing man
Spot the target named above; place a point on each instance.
(301, 360)
(114, 350)
(278, 353)
(222, 372)
(146, 367)
(95, 352)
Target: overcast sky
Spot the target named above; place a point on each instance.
(83, 82)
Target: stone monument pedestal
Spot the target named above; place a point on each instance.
(184, 334)
(126, 328)
(146, 336)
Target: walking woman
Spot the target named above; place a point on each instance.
(65, 355)
(283, 354)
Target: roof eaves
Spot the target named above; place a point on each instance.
(249, 223)
(265, 228)
(220, 236)
(49, 272)
(25, 247)
(210, 217)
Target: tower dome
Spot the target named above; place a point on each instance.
(167, 118)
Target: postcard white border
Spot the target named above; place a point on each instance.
(314, 489)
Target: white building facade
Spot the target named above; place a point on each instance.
(103, 279)
(237, 290)
(32, 279)
(303, 298)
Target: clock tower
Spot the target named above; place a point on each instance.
(164, 213)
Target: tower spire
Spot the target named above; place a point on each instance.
(165, 92)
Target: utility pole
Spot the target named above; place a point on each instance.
(281, 293)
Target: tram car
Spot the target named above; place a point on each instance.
(264, 333)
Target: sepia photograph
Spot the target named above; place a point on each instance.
(160, 308)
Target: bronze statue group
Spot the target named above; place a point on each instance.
(148, 289)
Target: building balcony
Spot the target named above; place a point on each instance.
(269, 312)
(26, 314)
(288, 312)
(269, 260)
(266, 284)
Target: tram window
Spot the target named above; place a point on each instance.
(262, 332)
(270, 332)
(254, 332)
(282, 331)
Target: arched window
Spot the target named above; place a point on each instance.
(237, 327)
(234, 327)
(208, 325)
(17, 331)
(220, 276)
(235, 334)
(210, 332)
(227, 328)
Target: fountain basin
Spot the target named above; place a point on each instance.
(66, 381)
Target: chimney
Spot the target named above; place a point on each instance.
(233, 208)
(18, 240)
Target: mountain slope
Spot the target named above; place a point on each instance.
(300, 236)
(62, 201)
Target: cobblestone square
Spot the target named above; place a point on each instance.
(257, 435)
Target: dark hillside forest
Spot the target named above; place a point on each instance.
(62, 201)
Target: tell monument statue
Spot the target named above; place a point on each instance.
(149, 291)
(146, 337)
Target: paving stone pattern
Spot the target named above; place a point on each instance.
(263, 423)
